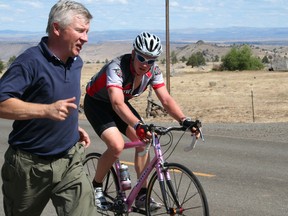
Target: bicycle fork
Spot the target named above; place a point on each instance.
(164, 177)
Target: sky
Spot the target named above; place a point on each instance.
(32, 15)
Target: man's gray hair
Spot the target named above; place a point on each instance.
(64, 11)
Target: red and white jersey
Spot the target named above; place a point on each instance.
(120, 73)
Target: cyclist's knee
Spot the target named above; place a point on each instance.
(115, 148)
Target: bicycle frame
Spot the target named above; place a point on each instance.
(157, 163)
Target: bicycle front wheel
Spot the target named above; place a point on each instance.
(182, 194)
(110, 183)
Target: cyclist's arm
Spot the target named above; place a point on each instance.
(172, 107)
(117, 100)
(169, 103)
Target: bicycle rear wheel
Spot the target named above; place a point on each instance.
(110, 183)
(183, 194)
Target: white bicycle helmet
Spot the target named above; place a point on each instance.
(148, 44)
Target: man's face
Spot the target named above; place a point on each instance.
(142, 63)
(74, 36)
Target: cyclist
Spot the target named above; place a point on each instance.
(108, 110)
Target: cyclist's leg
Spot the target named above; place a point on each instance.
(110, 183)
(100, 115)
(115, 144)
(140, 161)
(110, 186)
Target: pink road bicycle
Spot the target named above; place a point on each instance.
(172, 185)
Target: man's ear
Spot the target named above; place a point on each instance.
(56, 29)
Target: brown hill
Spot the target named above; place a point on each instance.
(107, 50)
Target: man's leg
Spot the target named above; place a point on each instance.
(73, 195)
(26, 183)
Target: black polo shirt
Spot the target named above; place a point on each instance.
(37, 76)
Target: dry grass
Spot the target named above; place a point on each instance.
(221, 96)
(209, 96)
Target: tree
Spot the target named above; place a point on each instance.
(1, 66)
(216, 58)
(163, 61)
(11, 60)
(196, 59)
(229, 61)
(241, 59)
(183, 59)
(265, 60)
(174, 59)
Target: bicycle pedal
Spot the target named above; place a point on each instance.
(107, 207)
(138, 210)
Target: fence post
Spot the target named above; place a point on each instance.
(252, 97)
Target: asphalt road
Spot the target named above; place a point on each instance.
(242, 167)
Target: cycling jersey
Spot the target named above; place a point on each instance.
(120, 73)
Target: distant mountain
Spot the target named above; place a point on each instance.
(109, 44)
(19, 36)
(223, 35)
(233, 34)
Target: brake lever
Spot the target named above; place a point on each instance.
(192, 145)
(201, 134)
(194, 141)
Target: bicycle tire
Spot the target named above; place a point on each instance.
(110, 183)
(187, 190)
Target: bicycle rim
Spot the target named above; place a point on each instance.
(110, 183)
(184, 187)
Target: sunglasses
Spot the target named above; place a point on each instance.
(144, 60)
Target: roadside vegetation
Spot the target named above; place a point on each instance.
(241, 58)
(3, 65)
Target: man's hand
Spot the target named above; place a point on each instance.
(192, 125)
(61, 109)
(142, 132)
(84, 137)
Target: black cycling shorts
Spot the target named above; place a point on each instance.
(101, 115)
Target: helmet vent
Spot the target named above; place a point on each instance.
(148, 44)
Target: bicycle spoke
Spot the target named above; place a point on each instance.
(187, 190)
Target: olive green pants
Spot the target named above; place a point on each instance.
(30, 181)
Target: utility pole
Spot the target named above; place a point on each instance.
(167, 48)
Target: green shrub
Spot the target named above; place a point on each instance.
(196, 59)
(241, 59)
(1, 66)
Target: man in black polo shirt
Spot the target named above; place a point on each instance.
(41, 92)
